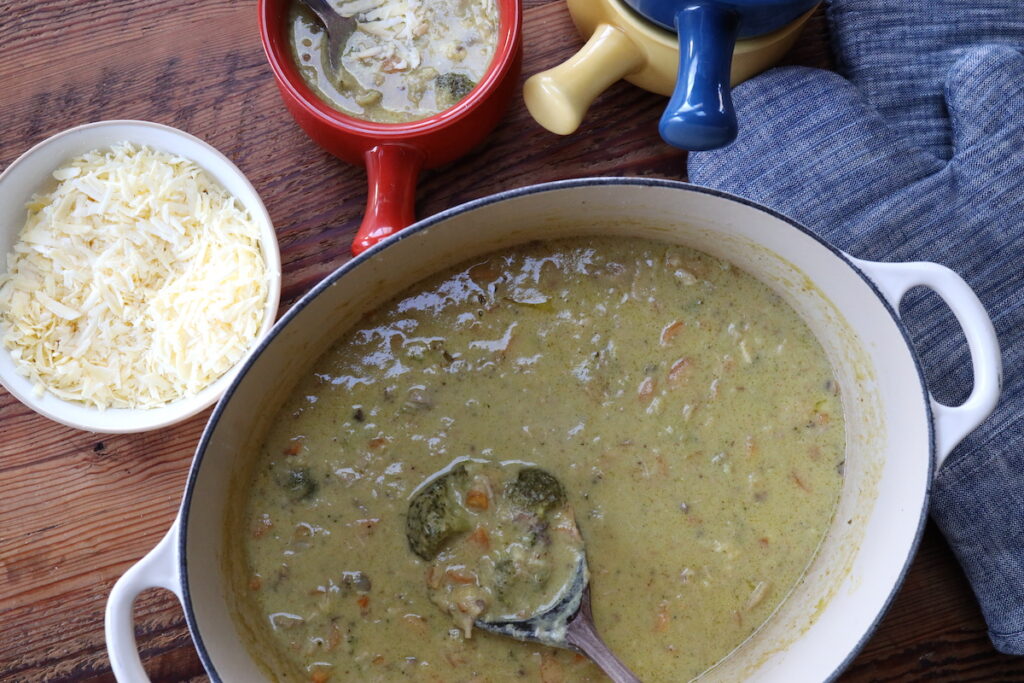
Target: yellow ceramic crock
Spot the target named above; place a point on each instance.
(623, 45)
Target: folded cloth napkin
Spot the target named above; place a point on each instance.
(918, 156)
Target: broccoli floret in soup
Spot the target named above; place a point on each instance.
(452, 87)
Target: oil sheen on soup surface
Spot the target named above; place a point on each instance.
(406, 60)
(689, 412)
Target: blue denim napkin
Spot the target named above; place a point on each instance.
(919, 155)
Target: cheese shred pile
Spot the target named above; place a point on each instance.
(137, 281)
(393, 26)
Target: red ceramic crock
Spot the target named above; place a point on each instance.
(394, 153)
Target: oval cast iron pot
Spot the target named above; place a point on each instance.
(896, 433)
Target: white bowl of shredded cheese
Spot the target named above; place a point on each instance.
(140, 269)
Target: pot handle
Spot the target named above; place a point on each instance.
(391, 172)
(158, 569)
(952, 423)
(700, 115)
(558, 98)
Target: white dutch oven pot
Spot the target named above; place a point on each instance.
(896, 433)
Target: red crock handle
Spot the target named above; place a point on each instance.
(392, 171)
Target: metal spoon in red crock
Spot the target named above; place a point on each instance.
(338, 29)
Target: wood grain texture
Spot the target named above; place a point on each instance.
(77, 509)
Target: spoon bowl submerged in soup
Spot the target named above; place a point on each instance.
(501, 540)
(689, 412)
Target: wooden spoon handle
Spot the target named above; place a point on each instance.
(582, 635)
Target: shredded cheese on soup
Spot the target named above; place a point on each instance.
(395, 24)
(137, 281)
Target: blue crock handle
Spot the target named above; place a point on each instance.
(699, 115)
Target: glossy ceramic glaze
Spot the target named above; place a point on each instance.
(700, 114)
(753, 17)
(896, 433)
(394, 153)
(31, 173)
(623, 45)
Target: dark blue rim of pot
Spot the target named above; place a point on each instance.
(426, 223)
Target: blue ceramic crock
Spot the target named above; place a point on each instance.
(700, 114)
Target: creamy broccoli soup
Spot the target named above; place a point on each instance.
(501, 540)
(406, 60)
(688, 413)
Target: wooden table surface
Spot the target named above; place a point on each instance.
(77, 509)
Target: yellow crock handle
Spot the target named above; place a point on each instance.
(559, 97)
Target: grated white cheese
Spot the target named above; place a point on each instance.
(397, 23)
(137, 281)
